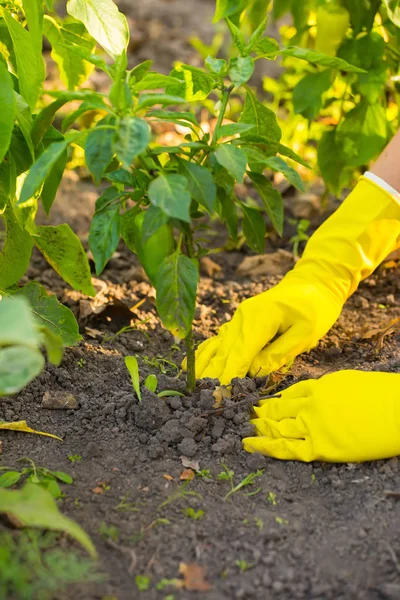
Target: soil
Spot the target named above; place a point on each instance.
(316, 531)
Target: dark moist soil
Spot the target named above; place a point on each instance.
(311, 531)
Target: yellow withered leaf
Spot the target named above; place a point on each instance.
(23, 426)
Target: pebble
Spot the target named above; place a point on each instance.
(92, 450)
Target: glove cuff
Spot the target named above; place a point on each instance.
(349, 246)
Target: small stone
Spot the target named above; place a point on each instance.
(92, 450)
(59, 400)
(256, 461)
(143, 438)
(361, 302)
(188, 447)
(391, 300)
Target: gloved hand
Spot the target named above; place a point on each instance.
(272, 328)
(348, 416)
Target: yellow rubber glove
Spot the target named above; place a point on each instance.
(348, 416)
(270, 329)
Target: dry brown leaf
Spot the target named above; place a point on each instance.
(98, 490)
(22, 426)
(209, 267)
(58, 400)
(275, 263)
(193, 578)
(168, 477)
(190, 464)
(381, 332)
(220, 394)
(187, 475)
(1, 447)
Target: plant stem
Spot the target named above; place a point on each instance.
(224, 103)
(190, 355)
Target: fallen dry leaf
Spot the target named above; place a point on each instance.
(187, 475)
(1, 447)
(275, 263)
(381, 332)
(193, 578)
(58, 400)
(168, 477)
(190, 464)
(98, 490)
(209, 267)
(220, 394)
(23, 426)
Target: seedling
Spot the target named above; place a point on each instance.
(81, 362)
(109, 532)
(196, 515)
(163, 583)
(74, 458)
(38, 475)
(259, 523)
(181, 493)
(142, 582)
(243, 565)
(228, 475)
(281, 521)
(301, 236)
(133, 368)
(124, 504)
(204, 473)
(272, 498)
(151, 383)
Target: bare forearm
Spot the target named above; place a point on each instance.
(387, 167)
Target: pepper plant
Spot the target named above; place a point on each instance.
(156, 196)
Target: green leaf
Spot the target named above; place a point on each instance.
(138, 72)
(33, 10)
(226, 8)
(30, 65)
(258, 32)
(7, 113)
(307, 94)
(176, 286)
(263, 119)
(170, 393)
(41, 169)
(147, 100)
(99, 150)
(241, 69)
(74, 70)
(34, 507)
(64, 477)
(271, 198)
(183, 118)
(53, 181)
(285, 151)
(151, 382)
(54, 346)
(372, 84)
(267, 47)
(393, 9)
(318, 58)
(154, 218)
(49, 313)
(64, 252)
(233, 129)
(19, 365)
(332, 163)
(154, 81)
(362, 12)
(104, 22)
(17, 325)
(215, 65)
(237, 37)
(365, 52)
(226, 208)
(132, 365)
(233, 159)
(9, 479)
(254, 229)
(201, 184)
(17, 249)
(84, 107)
(195, 84)
(132, 138)
(25, 121)
(278, 164)
(362, 134)
(171, 194)
(105, 229)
